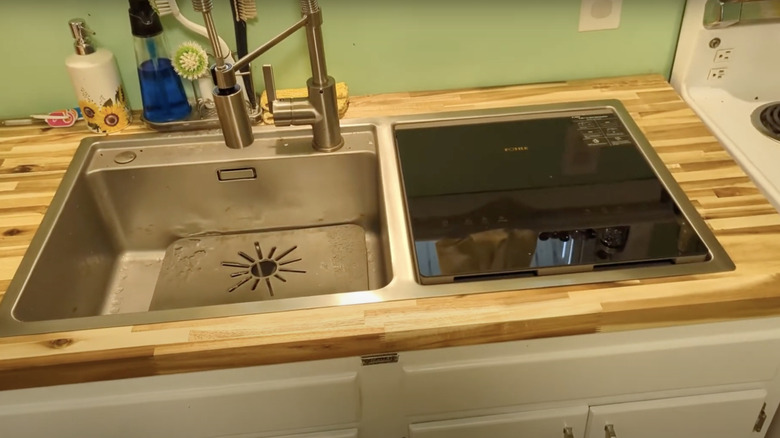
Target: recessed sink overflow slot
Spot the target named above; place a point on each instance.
(238, 174)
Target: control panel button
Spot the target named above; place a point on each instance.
(591, 132)
(609, 123)
(596, 141)
(619, 140)
(587, 125)
(615, 131)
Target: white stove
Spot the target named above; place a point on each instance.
(727, 76)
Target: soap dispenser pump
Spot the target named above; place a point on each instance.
(162, 92)
(96, 81)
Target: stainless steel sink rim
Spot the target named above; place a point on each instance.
(402, 285)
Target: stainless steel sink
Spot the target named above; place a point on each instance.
(156, 225)
(157, 228)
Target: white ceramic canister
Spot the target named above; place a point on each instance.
(97, 84)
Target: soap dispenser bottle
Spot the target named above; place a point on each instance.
(96, 81)
(162, 92)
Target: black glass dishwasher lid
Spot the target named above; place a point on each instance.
(544, 194)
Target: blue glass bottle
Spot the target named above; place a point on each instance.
(162, 92)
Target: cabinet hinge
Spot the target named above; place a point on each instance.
(376, 359)
(761, 419)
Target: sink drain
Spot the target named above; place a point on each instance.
(262, 268)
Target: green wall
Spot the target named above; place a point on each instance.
(373, 46)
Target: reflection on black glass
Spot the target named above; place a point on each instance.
(525, 195)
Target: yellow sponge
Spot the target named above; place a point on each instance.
(342, 100)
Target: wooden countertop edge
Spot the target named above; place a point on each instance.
(156, 360)
(93, 355)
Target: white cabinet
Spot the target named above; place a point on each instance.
(269, 401)
(591, 368)
(725, 415)
(550, 423)
(350, 433)
(704, 381)
(720, 415)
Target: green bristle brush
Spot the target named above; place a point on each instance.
(191, 62)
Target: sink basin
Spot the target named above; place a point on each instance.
(148, 224)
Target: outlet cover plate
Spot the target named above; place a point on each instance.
(600, 14)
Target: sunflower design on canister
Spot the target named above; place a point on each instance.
(88, 109)
(112, 116)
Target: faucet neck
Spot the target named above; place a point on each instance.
(319, 69)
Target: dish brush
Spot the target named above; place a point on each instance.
(171, 8)
(243, 11)
(191, 62)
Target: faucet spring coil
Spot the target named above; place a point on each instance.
(202, 5)
(310, 6)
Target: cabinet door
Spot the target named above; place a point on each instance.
(726, 415)
(265, 401)
(553, 423)
(524, 373)
(347, 433)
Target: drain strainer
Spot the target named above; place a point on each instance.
(235, 268)
(766, 119)
(263, 268)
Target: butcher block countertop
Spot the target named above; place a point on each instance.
(33, 160)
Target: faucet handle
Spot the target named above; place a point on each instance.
(270, 86)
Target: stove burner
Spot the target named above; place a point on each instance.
(766, 119)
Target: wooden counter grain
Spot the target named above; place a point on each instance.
(34, 159)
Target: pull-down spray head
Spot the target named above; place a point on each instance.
(228, 98)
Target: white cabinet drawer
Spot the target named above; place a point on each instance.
(261, 401)
(583, 367)
(725, 415)
(346, 433)
(537, 424)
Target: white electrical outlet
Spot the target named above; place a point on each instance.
(716, 74)
(723, 55)
(600, 14)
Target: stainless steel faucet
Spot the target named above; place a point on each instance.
(319, 109)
